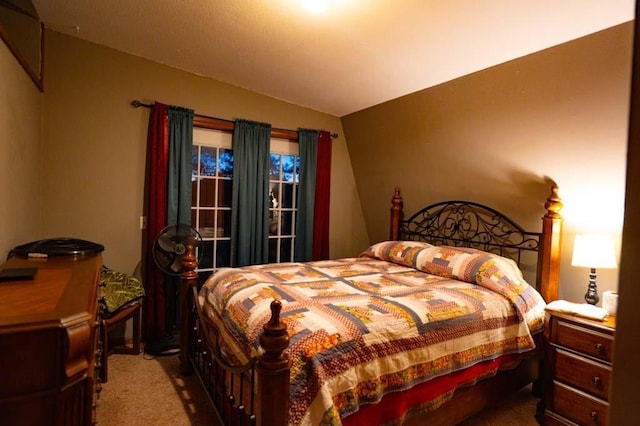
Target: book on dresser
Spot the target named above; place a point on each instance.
(48, 341)
(577, 370)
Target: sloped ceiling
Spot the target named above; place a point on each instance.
(355, 54)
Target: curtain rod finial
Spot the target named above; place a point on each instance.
(135, 103)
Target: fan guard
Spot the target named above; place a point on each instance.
(171, 245)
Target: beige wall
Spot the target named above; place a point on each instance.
(20, 154)
(94, 153)
(497, 136)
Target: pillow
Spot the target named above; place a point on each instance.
(459, 263)
(474, 266)
(399, 252)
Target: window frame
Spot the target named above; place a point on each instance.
(222, 139)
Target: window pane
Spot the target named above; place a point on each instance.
(274, 202)
(287, 196)
(297, 176)
(287, 223)
(224, 224)
(207, 193)
(273, 222)
(224, 192)
(226, 163)
(273, 250)
(275, 195)
(223, 253)
(285, 249)
(274, 168)
(194, 162)
(288, 168)
(194, 191)
(206, 223)
(206, 251)
(207, 161)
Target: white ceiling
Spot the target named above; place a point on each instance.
(357, 54)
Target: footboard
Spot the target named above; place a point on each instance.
(256, 393)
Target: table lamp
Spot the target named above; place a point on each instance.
(593, 251)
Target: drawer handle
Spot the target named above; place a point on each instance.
(599, 348)
(597, 381)
(594, 417)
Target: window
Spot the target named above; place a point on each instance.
(212, 177)
(283, 193)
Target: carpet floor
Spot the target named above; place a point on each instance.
(143, 390)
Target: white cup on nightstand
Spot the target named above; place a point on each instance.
(610, 302)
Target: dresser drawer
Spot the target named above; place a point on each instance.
(578, 406)
(583, 340)
(582, 373)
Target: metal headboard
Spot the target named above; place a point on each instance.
(469, 224)
(464, 223)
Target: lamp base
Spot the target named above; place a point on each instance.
(591, 296)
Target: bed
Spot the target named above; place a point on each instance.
(431, 325)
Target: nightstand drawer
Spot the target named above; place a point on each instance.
(584, 340)
(578, 406)
(582, 373)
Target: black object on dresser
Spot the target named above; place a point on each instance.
(577, 372)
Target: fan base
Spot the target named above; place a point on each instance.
(165, 346)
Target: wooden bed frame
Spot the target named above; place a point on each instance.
(452, 223)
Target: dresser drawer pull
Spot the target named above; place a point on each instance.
(597, 381)
(594, 417)
(599, 348)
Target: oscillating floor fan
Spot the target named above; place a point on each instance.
(170, 247)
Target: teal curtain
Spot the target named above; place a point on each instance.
(308, 148)
(179, 173)
(250, 195)
(178, 195)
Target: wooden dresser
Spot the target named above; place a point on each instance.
(577, 370)
(48, 342)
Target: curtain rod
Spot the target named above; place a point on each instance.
(214, 123)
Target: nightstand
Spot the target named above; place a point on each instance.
(577, 370)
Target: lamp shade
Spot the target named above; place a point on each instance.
(594, 251)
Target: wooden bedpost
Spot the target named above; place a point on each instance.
(273, 371)
(548, 276)
(396, 215)
(188, 280)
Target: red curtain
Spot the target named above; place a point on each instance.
(156, 213)
(323, 194)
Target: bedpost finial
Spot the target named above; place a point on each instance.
(396, 200)
(275, 338)
(396, 214)
(189, 262)
(276, 307)
(553, 203)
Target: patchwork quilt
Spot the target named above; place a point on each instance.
(399, 315)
